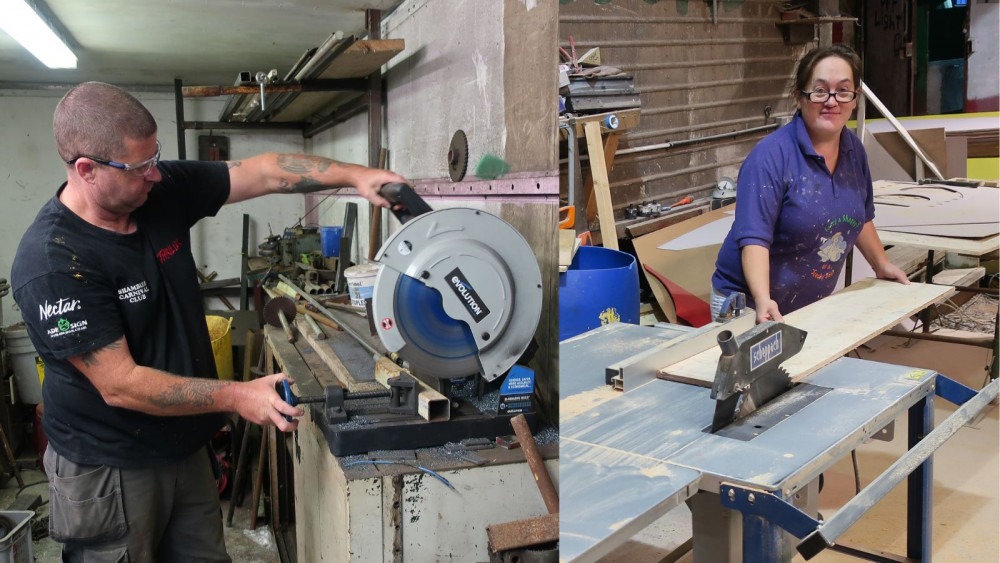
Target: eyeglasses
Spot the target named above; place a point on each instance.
(139, 169)
(821, 96)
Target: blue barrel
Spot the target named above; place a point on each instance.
(600, 287)
(330, 240)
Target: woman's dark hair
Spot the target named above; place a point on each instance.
(809, 61)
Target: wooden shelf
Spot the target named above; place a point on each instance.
(792, 32)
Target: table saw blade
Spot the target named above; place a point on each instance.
(725, 411)
(763, 390)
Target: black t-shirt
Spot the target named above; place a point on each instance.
(81, 287)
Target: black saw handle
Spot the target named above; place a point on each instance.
(400, 194)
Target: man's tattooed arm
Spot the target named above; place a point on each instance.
(194, 392)
(305, 167)
(90, 358)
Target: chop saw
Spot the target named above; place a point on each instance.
(454, 306)
(459, 292)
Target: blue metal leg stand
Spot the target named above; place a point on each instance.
(919, 485)
(762, 541)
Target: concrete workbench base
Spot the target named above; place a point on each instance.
(367, 513)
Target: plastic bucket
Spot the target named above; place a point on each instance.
(361, 281)
(219, 330)
(25, 363)
(330, 240)
(600, 287)
(15, 545)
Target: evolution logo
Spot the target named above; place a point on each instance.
(165, 253)
(61, 307)
(460, 285)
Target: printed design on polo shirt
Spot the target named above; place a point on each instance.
(59, 310)
(832, 248)
(168, 251)
(134, 293)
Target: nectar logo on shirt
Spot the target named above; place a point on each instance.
(60, 307)
(133, 293)
(165, 253)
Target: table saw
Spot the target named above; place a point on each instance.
(626, 459)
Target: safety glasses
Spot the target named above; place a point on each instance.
(139, 169)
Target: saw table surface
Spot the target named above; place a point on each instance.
(630, 459)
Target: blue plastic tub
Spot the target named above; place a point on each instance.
(330, 240)
(600, 287)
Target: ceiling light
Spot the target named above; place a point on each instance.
(24, 24)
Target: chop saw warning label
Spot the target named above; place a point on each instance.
(460, 285)
(515, 393)
(763, 351)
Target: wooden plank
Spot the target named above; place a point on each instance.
(326, 353)
(602, 190)
(835, 326)
(972, 247)
(523, 533)
(361, 59)
(610, 146)
(567, 248)
(627, 119)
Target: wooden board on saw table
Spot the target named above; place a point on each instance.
(835, 326)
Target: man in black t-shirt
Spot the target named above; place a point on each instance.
(107, 285)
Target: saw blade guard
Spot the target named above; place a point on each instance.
(475, 270)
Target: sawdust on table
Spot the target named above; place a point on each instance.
(576, 404)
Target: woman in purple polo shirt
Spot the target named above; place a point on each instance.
(804, 199)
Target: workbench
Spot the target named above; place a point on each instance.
(346, 509)
(627, 459)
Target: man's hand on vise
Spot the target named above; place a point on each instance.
(262, 405)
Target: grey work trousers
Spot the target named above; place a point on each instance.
(166, 513)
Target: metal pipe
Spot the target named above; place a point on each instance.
(312, 301)
(685, 142)
(940, 338)
(833, 528)
(536, 463)
(900, 129)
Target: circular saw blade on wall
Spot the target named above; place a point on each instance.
(458, 156)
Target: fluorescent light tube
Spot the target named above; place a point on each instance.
(22, 23)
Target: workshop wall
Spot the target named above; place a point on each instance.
(475, 66)
(984, 63)
(32, 173)
(695, 79)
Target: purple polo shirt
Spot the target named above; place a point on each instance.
(787, 201)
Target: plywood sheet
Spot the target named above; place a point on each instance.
(972, 247)
(882, 165)
(691, 269)
(930, 141)
(835, 326)
(898, 204)
(706, 235)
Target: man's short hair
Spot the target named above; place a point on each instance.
(95, 118)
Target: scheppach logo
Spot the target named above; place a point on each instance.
(166, 252)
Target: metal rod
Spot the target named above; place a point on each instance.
(851, 512)
(900, 129)
(179, 110)
(536, 463)
(320, 335)
(940, 338)
(312, 301)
